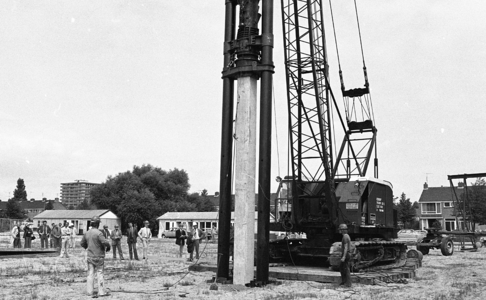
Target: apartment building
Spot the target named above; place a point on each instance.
(73, 193)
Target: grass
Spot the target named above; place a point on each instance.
(456, 277)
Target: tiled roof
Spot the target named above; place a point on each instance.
(71, 214)
(33, 205)
(434, 194)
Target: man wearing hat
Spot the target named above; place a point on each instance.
(95, 243)
(44, 232)
(116, 237)
(145, 235)
(345, 257)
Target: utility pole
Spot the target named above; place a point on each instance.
(247, 58)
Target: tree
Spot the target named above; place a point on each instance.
(20, 193)
(14, 211)
(84, 206)
(475, 203)
(144, 193)
(406, 211)
(49, 206)
(71, 207)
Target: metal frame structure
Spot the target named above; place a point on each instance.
(309, 99)
(457, 207)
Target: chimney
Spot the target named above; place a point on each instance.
(426, 186)
(460, 185)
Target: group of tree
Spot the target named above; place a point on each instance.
(146, 193)
(13, 209)
(406, 211)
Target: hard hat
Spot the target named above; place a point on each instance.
(71, 225)
(343, 227)
(146, 222)
(95, 219)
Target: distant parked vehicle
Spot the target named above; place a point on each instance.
(171, 233)
(411, 234)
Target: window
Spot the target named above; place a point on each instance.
(448, 204)
(431, 208)
(450, 225)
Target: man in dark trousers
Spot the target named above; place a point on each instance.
(56, 235)
(44, 232)
(116, 237)
(180, 238)
(132, 235)
(345, 256)
(94, 241)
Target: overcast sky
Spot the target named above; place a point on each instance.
(90, 88)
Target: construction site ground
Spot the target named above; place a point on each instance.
(165, 276)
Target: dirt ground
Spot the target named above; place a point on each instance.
(165, 276)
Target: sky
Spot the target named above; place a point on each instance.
(88, 89)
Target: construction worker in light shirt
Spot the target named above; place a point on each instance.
(145, 235)
(66, 237)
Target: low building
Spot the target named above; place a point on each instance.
(80, 218)
(204, 220)
(436, 205)
(34, 207)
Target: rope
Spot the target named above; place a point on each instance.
(359, 33)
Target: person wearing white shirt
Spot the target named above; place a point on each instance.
(145, 235)
(66, 237)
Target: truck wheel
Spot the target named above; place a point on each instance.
(447, 247)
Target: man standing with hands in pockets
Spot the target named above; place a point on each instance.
(132, 236)
(145, 235)
(116, 237)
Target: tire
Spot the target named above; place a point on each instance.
(447, 247)
(163, 236)
(417, 254)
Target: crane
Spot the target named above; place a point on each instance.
(326, 187)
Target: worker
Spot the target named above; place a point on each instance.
(65, 239)
(94, 241)
(106, 231)
(180, 238)
(345, 256)
(58, 236)
(190, 242)
(132, 236)
(72, 237)
(17, 243)
(44, 232)
(145, 235)
(198, 235)
(116, 237)
(28, 236)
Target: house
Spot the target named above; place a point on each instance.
(204, 220)
(80, 218)
(34, 207)
(436, 204)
